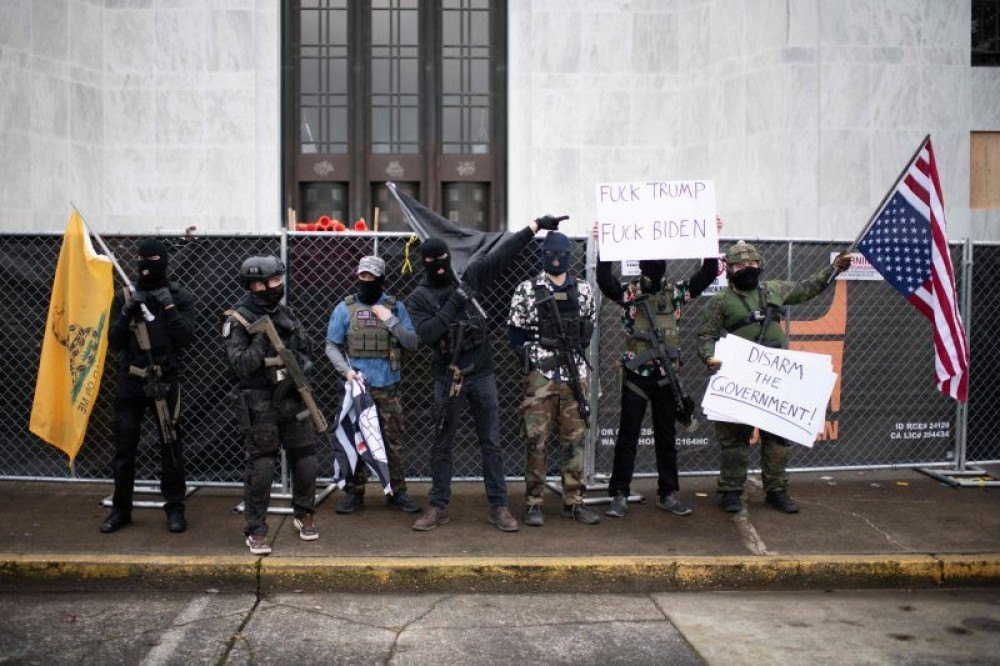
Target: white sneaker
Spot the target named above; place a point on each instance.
(258, 544)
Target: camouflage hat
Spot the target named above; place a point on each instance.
(742, 251)
(373, 265)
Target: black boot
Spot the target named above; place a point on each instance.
(175, 519)
(350, 503)
(780, 500)
(731, 502)
(116, 520)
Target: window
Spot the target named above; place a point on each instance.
(406, 90)
(984, 170)
(986, 33)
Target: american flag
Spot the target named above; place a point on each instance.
(908, 245)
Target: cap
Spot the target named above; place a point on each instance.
(372, 264)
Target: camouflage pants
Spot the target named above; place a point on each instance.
(390, 417)
(274, 426)
(546, 401)
(735, 440)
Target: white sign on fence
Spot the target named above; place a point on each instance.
(781, 391)
(861, 268)
(657, 220)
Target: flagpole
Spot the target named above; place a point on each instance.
(391, 186)
(146, 314)
(892, 189)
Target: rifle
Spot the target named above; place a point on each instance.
(287, 359)
(154, 387)
(456, 374)
(683, 403)
(567, 357)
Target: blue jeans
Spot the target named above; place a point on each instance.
(480, 395)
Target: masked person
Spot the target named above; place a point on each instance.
(375, 328)
(447, 320)
(139, 386)
(269, 408)
(550, 324)
(752, 310)
(642, 382)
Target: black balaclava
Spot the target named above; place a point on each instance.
(746, 279)
(555, 252)
(270, 297)
(652, 271)
(435, 247)
(369, 291)
(152, 272)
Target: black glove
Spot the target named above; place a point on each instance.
(130, 309)
(162, 296)
(550, 222)
(465, 292)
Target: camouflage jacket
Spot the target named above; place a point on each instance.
(679, 293)
(524, 316)
(730, 309)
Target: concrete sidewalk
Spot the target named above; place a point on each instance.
(856, 529)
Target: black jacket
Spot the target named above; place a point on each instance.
(434, 309)
(171, 331)
(246, 353)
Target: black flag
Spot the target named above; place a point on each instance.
(464, 245)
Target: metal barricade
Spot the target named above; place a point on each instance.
(886, 411)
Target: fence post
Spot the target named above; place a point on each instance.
(965, 308)
(594, 359)
(285, 476)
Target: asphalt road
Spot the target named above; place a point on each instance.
(305, 627)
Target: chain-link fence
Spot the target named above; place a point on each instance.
(885, 410)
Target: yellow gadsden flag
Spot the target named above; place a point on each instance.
(75, 342)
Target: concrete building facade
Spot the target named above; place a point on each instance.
(153, 114)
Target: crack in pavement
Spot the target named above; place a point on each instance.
(673, 624)
(395, 640)
(238, 634)
(867, 520)
(568, 623)
(319, 611)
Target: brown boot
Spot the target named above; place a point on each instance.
(431, 518)
(503, 519)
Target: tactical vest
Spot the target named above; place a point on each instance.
(577, 328)
(367, 336)
(744, 316)
(663, 306)
(270, 375)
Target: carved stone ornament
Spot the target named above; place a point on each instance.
(323, 169)
(466, 168)
(395, 170)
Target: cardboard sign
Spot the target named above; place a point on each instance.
(656, 220)
(780, 391)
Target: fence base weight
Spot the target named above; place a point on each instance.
(147, 504)
(321, 495)
(970, 477)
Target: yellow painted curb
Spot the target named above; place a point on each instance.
(514, 574)
(965, 569)
(51, 566)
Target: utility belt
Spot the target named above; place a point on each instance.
(640, 359)
(247, 401)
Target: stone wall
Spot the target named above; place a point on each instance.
(802, 111)
(145, 113)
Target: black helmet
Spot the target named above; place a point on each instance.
(260, 269)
